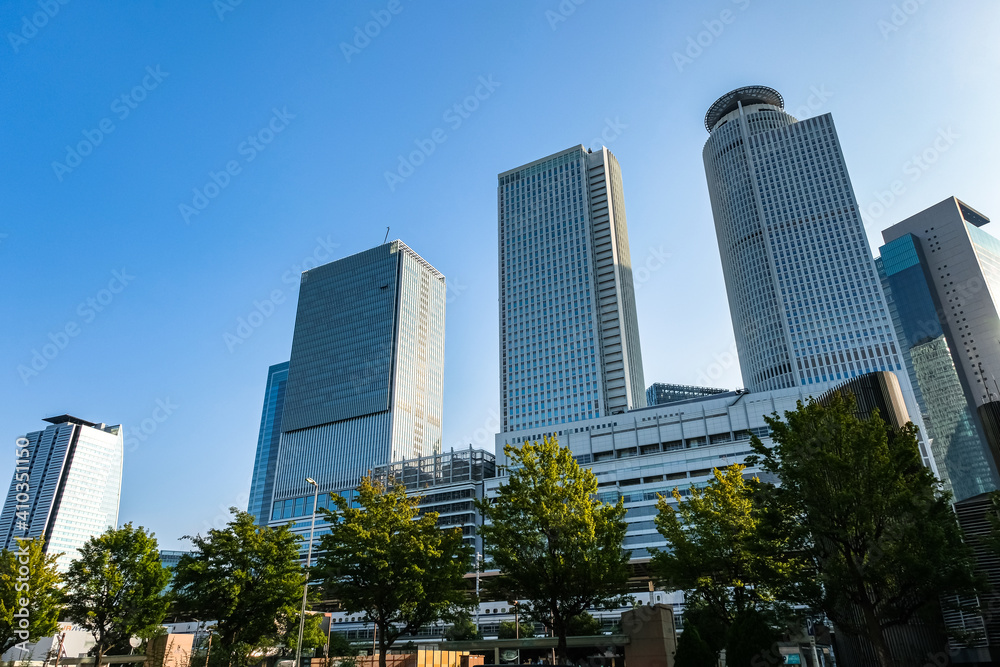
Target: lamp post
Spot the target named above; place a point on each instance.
(305, 587)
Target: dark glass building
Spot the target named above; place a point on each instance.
(660, 393)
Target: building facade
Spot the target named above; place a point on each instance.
(946, 399)
(66, 486)
(365, 377)
(806, 303)
(569, 338)
(448, 484)
(660, 393)
(268, 440)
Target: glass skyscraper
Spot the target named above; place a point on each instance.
(262, 484)
(365, 377)
(941, 271)
(806, 303)
(66, 486)
(569, 337)
(660, 393)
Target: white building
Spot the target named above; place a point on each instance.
(66, 486)
(569, 338)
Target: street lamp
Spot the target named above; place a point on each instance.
(305, 587)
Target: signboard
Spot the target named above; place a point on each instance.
(793, 659)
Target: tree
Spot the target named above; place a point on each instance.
(508, 630)
(245, 577)
(855, 500)
(584, 625)
(556, 545)
(693, 651)
(115, 589)
(749, 641)
(313, 636)
(340, 646)
(719, 554)
(30, 599)
(463, 628)
(386, 560)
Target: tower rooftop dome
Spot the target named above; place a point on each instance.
(745, 95)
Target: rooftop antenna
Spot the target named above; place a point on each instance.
(386, 236)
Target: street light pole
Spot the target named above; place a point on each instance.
(305, 587)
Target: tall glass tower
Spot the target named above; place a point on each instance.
(569, 338)
(806, 302)
(66, 486)
(365, 377)
(262, 484)
(942, 271)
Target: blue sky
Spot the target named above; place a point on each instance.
(225, 147)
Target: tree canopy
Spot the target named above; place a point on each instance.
(558, 548)
(855, 500)
(30, 598)
(245, 577)
(393, 564)
(116, 587)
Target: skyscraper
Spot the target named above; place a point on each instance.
(262, 484)
(942, 272)
(806, 303)
(569, 338)
(366, 374)
(66, 486)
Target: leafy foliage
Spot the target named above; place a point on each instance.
(37, 593)
(720, 555)
(313, 636)
(693, 651)
(245, 577)
(463, 628)
(508, 630)
(115, 589)
(749, 641)
(391, 563)
(855, 500)
(557, 547)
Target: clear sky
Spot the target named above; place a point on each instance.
(170, 166)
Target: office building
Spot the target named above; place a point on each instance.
(365, 377)
(569, 338)
(266, 460)
(806, 303)
(448, 484)
(660, 393)
(66, 486)
(922, 292)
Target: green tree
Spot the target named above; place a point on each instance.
(313, 636)
(558, 547)
(508, 630)
(32, 598)
(584, 625)
(856, 501)
(386, 560)
(719, 553)
(245, 577)
(463, 628)
(340, 646)
(116, 588)
(749, 641)
(693, 651)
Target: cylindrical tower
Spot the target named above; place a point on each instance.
(761, 338)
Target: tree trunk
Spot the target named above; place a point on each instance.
(562, 653)
(381, 647)
(875, 635)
